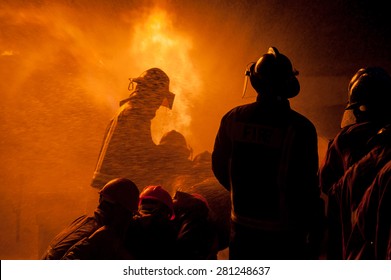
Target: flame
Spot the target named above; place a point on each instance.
(153, 42)
(8, 53)
(156, 43)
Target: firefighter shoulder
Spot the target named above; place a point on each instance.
(117, 203)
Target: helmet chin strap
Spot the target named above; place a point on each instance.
(247, 74)
(245, 85)
(131, 84)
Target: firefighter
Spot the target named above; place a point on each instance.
(266, 155)
(118, 202)
(366, 113)
(174, 159)
(128, 147)
(197, 237)
(155, 200)
(364, 194)
(153, 235)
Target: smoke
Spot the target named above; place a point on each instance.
(156, 43)
(65, 65)
(64, 69)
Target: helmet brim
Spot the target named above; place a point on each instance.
(172, 217)
(351, 106)
(348, 118)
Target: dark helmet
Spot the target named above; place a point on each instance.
(175, 141)
(123, 192)
(273, 73)
(157, 79)
(369, 87)
(369, 96)
(173, 138)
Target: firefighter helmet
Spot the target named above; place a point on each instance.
(173, 138)
(369, 87)
(273, 73)
(369, 96)
(157, 193)
(121, 191)
(176, 142)
(159, 81)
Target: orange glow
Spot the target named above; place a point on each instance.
(65, 65)
(156, 43)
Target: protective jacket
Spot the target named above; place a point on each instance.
(266, 154)
(126, 140)
(356, 197)
(348, 147)
(371, 237)
(152, 237)
(80, 228)
(106, 243)
(197, 237)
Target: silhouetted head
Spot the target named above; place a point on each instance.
(122, 192)
(155, 200)
(173, 138)
(175, 143)
(154, 83)
(274, 75)
(369, 97)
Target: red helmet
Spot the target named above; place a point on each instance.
(159, 194)
(121, 191)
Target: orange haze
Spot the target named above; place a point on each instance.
(65, 65)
